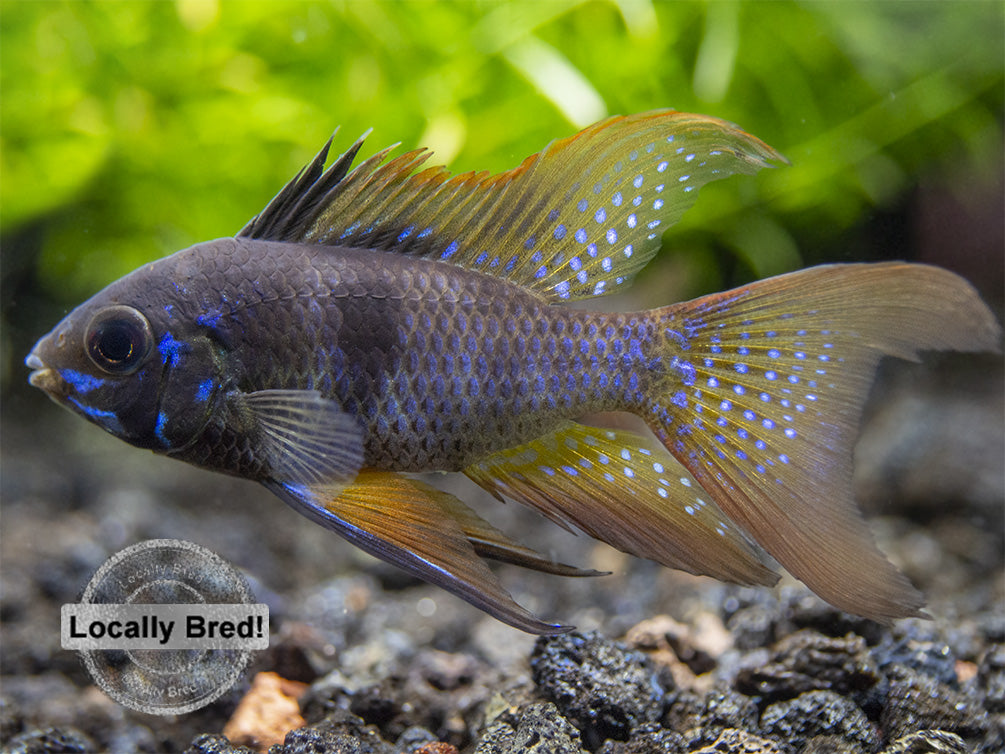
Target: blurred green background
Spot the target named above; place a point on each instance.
(131, 129)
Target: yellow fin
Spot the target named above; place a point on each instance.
(764, 400)
(576, 220)
(627, 491)
(409, 524)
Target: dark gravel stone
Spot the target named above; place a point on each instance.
(991, 678)
(917, 702)
(339, 733)
(818, 713)
(928, 742)
(702, 720)
(414, 738)
(752, 626)
(917, 645)
(647, 739)
(830, 745)
(62, 740)
(806, 610)
(809, 661)
(604, 688)
(732, 741)
(537, 729)
(215, 744)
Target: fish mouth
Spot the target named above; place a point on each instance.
(44, 377)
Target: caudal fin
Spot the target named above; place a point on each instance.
(762, 400)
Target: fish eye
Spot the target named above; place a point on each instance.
(118, 339)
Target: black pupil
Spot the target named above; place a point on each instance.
(116, 341)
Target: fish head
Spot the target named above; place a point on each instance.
(123, 362)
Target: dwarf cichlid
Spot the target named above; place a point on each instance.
(386, 320)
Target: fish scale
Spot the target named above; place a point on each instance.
(491, 363)
(386, 319)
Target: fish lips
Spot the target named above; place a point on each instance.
(45, 377)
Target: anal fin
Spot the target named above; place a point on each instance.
(629, 492)
(427, 532)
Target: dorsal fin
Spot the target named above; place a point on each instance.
(576, 220)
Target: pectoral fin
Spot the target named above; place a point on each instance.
(304, 438)
(412, 525)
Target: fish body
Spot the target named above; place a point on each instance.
(374, 323)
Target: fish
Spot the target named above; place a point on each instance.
(377, 322)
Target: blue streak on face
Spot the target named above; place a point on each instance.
(106, 419)
(82, 383)
(171, 350)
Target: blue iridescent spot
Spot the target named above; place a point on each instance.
(600, 215)
(553, 216)
(662, 166)
(529, 243)
(679, 399)
(632, 220)
(204, 390)
(768, 424)
(612, 236)
(741, 368)
(171, 350)
(774, 353)
(209, 319)
(725, 405)
(749, 415)
(582, 205)
(790, 433)
(581, 235)
(658, 204)
(482, 258)
(405, 233)
(559, 232)
(616, 199)
(770, 375)
(713, 382)
(760, 444)
(739, 389)
(450, 250)
(637, 182)
(606, 264)
(162, 419)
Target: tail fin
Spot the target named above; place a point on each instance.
(767, 384)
